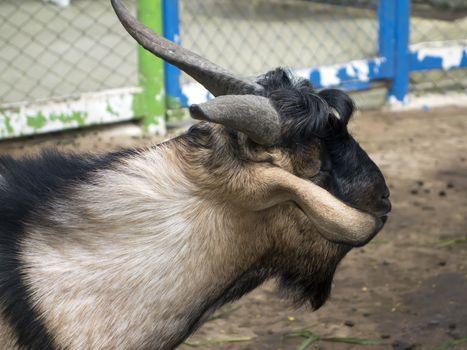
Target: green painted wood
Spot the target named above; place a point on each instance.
(52, 115)
(146, 101)
(151, 102)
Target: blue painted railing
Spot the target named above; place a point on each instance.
(171, 15)
(396, 58)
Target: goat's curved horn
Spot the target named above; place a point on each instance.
(250, 114)
(214, 78)
(336, 221)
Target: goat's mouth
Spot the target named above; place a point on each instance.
(382, 215)
(384, 218)
(380, 221)
(380, 212)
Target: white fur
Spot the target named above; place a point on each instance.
(128, 263)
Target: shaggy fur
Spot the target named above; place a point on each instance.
(133, 250)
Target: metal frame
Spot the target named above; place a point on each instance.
(146, 101)
(396, 60)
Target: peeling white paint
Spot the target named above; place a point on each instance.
(429, 101)
(159, 97)
(328, 75)
(379, 61)
(395, 103)
(90, 109)
(196, 93)
(450, 53)
(358, 69)
(303, 72)
(159, 128)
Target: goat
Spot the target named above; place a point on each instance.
(135, 249)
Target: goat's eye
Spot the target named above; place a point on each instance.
(326, 166)
(322, 177)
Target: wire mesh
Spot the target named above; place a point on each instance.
(254, 36)
(53, 51)
(439, 23)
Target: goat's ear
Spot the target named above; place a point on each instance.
(250, 114)
(341, 104)
(335, 220)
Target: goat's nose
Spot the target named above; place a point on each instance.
(386, 204)
(384, 207)
(386, 193)
(383, 204)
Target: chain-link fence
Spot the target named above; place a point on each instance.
(52, 51)
(251, 37)
(74, 65)
(49, 52)
(438, 24)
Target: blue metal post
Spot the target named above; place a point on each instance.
(400, 85)
(175, 98)
(387, 28)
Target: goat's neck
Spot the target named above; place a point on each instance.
(143, 258)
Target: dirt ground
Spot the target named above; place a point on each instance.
(407, 289)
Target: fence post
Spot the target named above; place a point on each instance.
(400, 84)
(386, 39)
(175, 98)
(150, 103)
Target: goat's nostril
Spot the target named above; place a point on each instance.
(386, 204)
(386, 194)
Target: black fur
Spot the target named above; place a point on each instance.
(305, 112)
(25, 186)
(308, 117)
(308, 114)
(307, 280)
(245, 283)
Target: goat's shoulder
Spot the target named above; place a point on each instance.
(27, 182)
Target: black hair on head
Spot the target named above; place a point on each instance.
(305, 112)
(342, 108)
(276, 79)
(340, 102)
